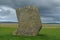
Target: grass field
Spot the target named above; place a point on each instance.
(50, 33)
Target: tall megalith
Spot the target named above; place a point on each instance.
(28, 21)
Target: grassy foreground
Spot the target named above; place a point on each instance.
(46, 33)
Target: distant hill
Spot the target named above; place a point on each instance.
(17, 22)
(8, 22)
(51, 23)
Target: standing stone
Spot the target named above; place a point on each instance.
(28, 20)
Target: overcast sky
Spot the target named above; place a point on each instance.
(49, 9)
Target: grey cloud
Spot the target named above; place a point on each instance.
(7, 3)
(47, 8)
(7, 13)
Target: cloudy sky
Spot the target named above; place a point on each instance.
(49, 10)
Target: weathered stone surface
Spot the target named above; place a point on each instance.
(29, 21)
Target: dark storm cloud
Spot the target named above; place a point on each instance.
(52, 10)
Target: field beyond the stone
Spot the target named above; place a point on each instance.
(48, 32)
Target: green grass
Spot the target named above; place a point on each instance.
(44, 34)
